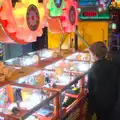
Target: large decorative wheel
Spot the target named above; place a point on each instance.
(55, 7)
(69, 19)
(33, 18)
(23, 23)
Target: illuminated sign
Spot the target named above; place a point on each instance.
(89, 14)
(94, 9)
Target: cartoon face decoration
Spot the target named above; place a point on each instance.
(58, 3)
(72, 15)
(32, 17)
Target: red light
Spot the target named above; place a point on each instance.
(0, 8)
(89, 14)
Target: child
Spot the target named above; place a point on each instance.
(103, 84)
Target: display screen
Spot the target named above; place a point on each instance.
(89, 14)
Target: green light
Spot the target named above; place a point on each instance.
(79, 9)
(113, 26)
(99, 9)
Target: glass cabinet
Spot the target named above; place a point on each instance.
(27, 103)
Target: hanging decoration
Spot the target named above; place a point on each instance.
(25, 21)
(55, 7)
(69, 19)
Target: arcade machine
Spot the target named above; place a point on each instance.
(92, 13)
(71, 90)
(94, 21)
(65, 22)
(114, 43)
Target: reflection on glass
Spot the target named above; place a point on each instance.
(47, 79)
(31, 58)
(79, 56)
(15, 99)
(43, 54)
(73, 66)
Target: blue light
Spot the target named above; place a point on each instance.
(57, 1)
(88, 2)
